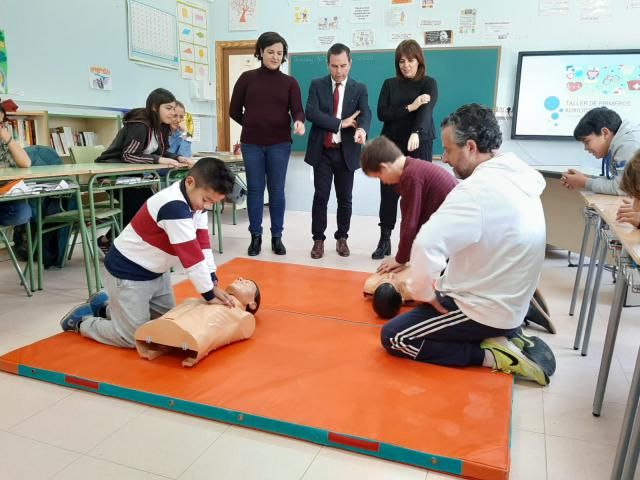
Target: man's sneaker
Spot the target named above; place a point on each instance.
(535, 349)
(98, 302)
(510, 359)
(71, 321)
(537, 314)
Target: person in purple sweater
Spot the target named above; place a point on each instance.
(264, 101)
(422, 187)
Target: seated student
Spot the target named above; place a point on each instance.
(389, 291)
(170, 229)
(12, 155)
(144, 138)
(180, 139)
(629, 211)
(491, 231)
(604, 136)
(200, 328)
(422, 187)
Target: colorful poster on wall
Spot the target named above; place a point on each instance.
(3, 64)
(193, 38)
(100, 78)
(242, 15)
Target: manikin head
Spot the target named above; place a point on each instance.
(207, 182)
(246, 292)
(386, 300)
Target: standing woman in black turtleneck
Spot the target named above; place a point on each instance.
(265, 101)
(406, 107)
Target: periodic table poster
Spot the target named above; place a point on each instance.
(193, 40)
(152, 35)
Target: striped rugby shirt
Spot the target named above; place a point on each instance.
(165, 233)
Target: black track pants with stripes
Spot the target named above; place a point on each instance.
(426, 335)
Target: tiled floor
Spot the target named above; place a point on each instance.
(48, 431)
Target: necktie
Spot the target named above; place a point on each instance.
(328, 139)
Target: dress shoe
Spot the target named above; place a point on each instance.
(318, 249)
(255, 246)
(342, 248)
(277, 247)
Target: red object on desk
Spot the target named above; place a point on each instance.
(9, 105)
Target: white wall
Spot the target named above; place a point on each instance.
(52, 43)
(529, 31)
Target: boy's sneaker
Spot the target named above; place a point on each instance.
(535, 349)
(98, 302)
(510, 359)
(71, 321)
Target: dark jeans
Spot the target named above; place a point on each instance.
(426, 335)
(331, 167)
(14, 213)
(388, 197)
(132, 200)
(266, 164)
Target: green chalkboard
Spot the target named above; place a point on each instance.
(464, 75)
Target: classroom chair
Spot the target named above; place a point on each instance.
(67, 219)
(9, 246)
(85, 154)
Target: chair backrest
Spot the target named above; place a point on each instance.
(41, 155)
(86, 154)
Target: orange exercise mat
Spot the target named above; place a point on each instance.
(325, 292)
(311, 377)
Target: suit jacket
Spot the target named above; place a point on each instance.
(320, 113)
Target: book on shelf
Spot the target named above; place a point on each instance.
(22, 130)
(63, 138)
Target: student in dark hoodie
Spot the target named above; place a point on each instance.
(144, 138)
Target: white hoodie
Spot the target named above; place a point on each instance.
(491, 227)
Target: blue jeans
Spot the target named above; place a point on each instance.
(266, 165)
(15, 213)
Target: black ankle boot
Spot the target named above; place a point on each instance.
(384, 245)
(277, 246)
(255, 246)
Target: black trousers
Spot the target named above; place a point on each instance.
(132, 200)
(388, 196)
(331, 167)
(426, 335)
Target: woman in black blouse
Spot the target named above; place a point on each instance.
(406, 107)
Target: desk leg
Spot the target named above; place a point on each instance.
(39, 240)
(624, 465)
(85, 244)
(594, 297)
(32, 283)
(609, 343)
(587, 286)
(94, 235)
(583, 247)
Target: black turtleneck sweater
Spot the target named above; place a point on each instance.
(263, 102)
(399, 123)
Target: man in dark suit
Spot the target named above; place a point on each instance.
(339, 112)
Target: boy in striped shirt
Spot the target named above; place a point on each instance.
(170, 229)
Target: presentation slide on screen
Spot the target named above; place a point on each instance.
(556, 90)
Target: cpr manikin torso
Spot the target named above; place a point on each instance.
(397, 279)
(197, 327)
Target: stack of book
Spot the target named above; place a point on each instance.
(23, 130)
(62, 138)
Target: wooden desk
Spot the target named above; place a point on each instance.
(629, 443)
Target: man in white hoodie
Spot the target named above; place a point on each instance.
(604, 136)
(491, 228)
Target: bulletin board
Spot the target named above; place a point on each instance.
(152, 35)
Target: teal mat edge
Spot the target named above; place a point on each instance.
(315, 435)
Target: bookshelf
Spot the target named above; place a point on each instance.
(104, 127)
(40, 120)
